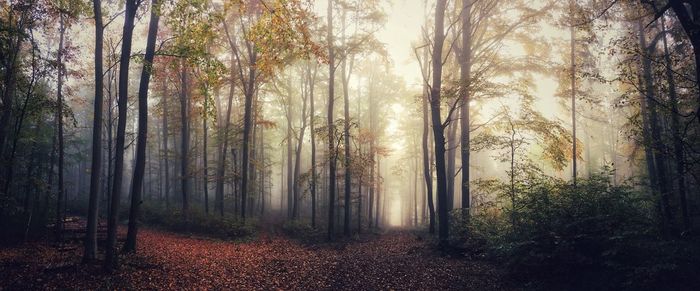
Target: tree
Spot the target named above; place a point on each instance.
(96, 165)
(331, 126)
(59, 121)
(111, 259)
(438, 127)
(137, 184)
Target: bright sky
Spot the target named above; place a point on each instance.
(403, 27)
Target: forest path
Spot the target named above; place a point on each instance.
(396, 260)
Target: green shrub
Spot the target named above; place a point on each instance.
(302, 231)
(197, 222)
(595, 235)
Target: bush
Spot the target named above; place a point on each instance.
(592, 236)
(302, 231)
(197, 222)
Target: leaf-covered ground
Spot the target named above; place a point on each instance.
(396, 260)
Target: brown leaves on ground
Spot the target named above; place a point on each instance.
(397, 260)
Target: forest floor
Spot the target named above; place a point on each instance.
(396, 260)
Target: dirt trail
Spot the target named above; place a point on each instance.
(397, 260)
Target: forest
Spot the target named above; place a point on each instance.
(350, 144)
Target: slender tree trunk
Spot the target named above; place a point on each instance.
(438, 128)
(451, 156)
(110, 145)
(297, 156)
(247, 126)
(345, 76)
(263, 168)
(372, 154)
(427, 169)
(111, 259)
(205, 180)
(572, 31)
(290, 173)
(185, 139)
(134, 212)
(221, 166)
(465, 81)
(96, 164)
(166, 152)
(654, 139)
(59, 120)
(312, 121)
(675, 128)
(378, 194)
(415, 193)
(331, 125)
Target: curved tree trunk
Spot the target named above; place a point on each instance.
(111, 259)
(130, 245)
(438, 128)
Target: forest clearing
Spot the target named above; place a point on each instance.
(350, 144)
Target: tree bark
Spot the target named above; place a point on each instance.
(247, 127)
(331, 125)
(465, 82)
(312, 132)
(297, 156)
(654, 140)
(675, 128)
(185, 139)
(572, 55)
(111, 259)
(96, 164)
(438, 128)
(345, 76)
(59, 120)
(142, 136)
(221, 165)
(427, 169)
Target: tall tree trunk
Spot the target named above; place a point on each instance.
(438, 128)
(111, 259)
(427, 153)
(345, 76)
(572, 55)
(247, 127)
(59, 120)
(655, 143)
(290, 173)
(465, 65)
(262, 171)
(110, 144)
(372, 154)
(415, 193)
(297, 155)
(331, 125)
(96, 164)
(312, 114)
(205, 180)
(378, 194)
(452, 144)
(166, 152)
(221, 165)
(185, 139)
(134, 212)
(675, 128)
(372, 181)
